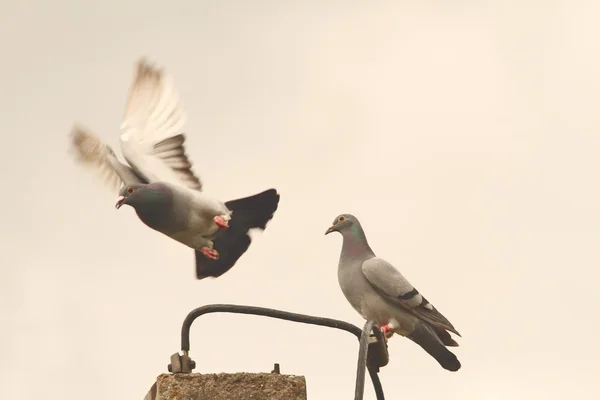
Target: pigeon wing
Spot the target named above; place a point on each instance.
(151, 137)
(390, 283)
(92, 152)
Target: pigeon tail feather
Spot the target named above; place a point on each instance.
(445, 337)
(247, 213)
(254, 211)
(425, 337)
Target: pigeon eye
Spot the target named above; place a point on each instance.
(130, 190)
(341, 218)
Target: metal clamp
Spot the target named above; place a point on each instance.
(181, 364)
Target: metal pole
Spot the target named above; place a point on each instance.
(363, 351)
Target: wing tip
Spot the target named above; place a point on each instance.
(145, 68)
(91, 152)
(84, 144)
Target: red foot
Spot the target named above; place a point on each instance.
(221, 222)
(387, 331)
(210, 253)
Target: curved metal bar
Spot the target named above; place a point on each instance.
(363, 335)
(265, 312)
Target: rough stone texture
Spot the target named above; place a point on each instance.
(238, 386)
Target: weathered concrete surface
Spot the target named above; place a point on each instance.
(238, 386)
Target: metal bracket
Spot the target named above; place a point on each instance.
(373, 353)
(377, 355)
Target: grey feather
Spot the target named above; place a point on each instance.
(379, 292)
(427, 338)
(389, 282)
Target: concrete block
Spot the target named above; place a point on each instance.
(238, 386)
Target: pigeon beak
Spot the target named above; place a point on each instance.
(120, 201)
(330, 229)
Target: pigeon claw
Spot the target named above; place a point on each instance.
(222, 221)
(387, 331)
(210, 253)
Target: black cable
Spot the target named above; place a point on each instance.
(376, 384)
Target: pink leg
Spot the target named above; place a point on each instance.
(387, 331)
(210, 253)
(221, 222)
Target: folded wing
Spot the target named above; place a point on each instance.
(388, 281)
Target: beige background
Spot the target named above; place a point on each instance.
(465, 136)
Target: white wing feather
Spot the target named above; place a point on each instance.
(91, 152)
(151, 138)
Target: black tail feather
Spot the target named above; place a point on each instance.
(426, 337)
(445, 337)
(255, 211)
(247, 213)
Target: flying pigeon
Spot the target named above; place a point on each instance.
(380, 293)
(159, 182)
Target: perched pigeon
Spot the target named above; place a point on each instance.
(159, 183)
(380, 293)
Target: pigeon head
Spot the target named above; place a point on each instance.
(140, 195)
(344, 223)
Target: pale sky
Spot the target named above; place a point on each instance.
(464, 135)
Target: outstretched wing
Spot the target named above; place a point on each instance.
(388, 281)
(91, 152)
(151, 138)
